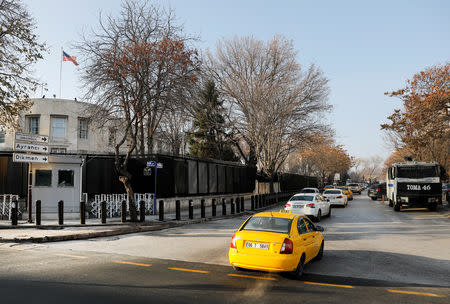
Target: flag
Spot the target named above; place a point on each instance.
(66, 57)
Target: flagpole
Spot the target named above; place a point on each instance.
(60, 72)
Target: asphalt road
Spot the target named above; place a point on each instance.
(372, 255)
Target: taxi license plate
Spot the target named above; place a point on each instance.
(257, 245)
(298, 206)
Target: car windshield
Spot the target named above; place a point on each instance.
(332, 192)
(269, 224)
(302, 198)
(308, 191)
(417, 171)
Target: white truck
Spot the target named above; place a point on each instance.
(414, 184)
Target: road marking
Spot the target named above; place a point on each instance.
(251, 277)
(71, 256)
(188, 270)
(417, 293)
(132, 263)
(326, 284)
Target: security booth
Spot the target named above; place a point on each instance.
(59, 179)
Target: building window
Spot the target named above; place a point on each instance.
(59, 127)
(83, 128)
(65, 178)
(112, 137)
(58, 150)
(43, 178)
(2, 136)
(33, 124)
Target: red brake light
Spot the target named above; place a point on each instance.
(287, 247)
(287, 205)
(378, 189)
(311, 205)
(340, 196)
(233, 241)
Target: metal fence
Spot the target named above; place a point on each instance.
(114, 203)
(6, 204)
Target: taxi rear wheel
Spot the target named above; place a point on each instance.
(298, 273)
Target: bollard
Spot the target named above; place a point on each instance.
(177, 210)
(123, 211)
(82, 213)
(191, 209)
(213, 207)
(238, 205)
(224, 206)
(232, 210)
(242, 204)
(161, 210)
(252, 203)
(202, 208)
(103, 212)
(38, 212)
(14, 208)
(142, 211)
(61, 212)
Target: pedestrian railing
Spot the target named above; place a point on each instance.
(114, 203)
(6, 201)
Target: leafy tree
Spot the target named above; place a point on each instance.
(19, 50)
(208, 138)
(423, 125)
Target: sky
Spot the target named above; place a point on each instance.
(364, 48)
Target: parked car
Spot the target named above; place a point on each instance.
(312, 205)
(446, 192)
(310, 190)
(328, 187)
(276, 242)
(356, 188)
(377, 191)
(336, 197)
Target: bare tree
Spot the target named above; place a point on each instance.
(19, 50)
(134, 66)
(274, 103)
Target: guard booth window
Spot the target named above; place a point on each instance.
(43, 178)
(65, 178)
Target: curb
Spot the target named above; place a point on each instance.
(122, 230)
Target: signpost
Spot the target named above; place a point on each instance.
(35, 143)
(157, 166)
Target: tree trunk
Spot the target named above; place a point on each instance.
(132, 204)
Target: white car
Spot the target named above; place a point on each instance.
(310, 190)
(336, 197)
(310, 204)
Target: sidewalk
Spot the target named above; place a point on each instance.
(50, 231)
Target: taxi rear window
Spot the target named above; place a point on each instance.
(269, 224)
(302, 198)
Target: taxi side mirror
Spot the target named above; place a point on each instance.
(320, 228)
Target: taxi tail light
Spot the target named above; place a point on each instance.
(311, 205)
(233, 241)
(287, 247)
(287, 205)
(340, 196)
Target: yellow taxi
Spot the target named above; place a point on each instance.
(347, 192)
(327, 187)
(276, 242)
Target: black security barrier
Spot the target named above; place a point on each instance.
(224, 206)
(103, 212)
(191, 209)
(252, 203)
(142, 211)
(213, 207)
(177, 210)
(123, 212)
(61, 212)
(232, 210)
(242, 204)
(161, 210)
(82, 213)
(202, 208)
(14, 209)
(257, 201)
(38, 212)
(238, 205)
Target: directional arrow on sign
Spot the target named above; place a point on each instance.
(30, 148)
(30, 158)
(31, 137)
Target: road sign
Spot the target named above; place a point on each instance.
(30, 148)
(32, 137)
(30, 158)
(153, 164)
